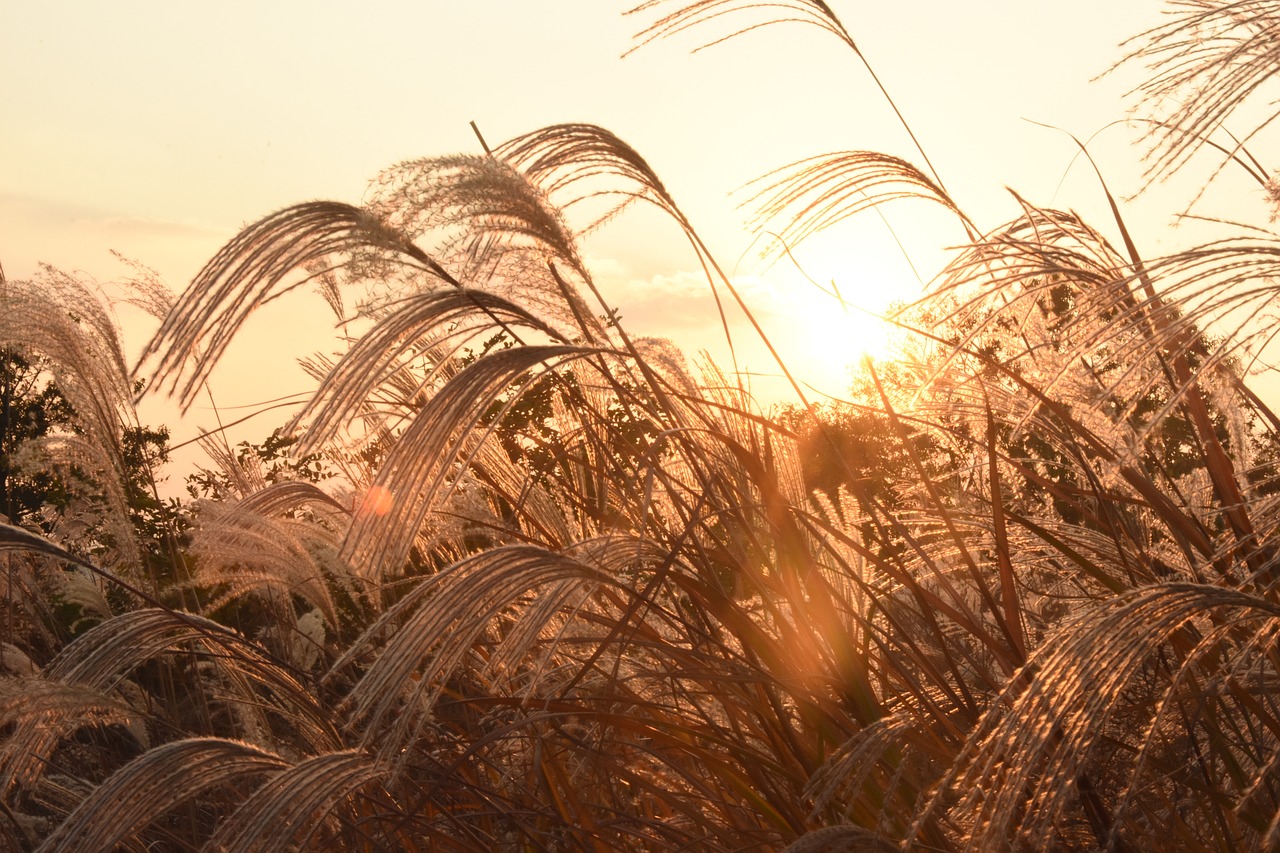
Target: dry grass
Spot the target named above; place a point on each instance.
(567, 594)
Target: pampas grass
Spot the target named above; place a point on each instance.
(567, 592)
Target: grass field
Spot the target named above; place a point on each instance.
(524, 581)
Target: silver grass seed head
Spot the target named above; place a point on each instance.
(1272, 191)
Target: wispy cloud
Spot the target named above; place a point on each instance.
(36, 230)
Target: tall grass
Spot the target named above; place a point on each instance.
(567, 593)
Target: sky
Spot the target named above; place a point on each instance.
(159, 129)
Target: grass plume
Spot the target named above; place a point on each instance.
(514, 578)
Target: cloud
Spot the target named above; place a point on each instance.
(35, 231)
(680, 303)
(146, 227)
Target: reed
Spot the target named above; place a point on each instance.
(566, 592)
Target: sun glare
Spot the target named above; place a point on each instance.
(826, 330)
(377, 501)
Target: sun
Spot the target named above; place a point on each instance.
(833, 291)
(823, 331)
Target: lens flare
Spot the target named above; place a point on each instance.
(377, 501)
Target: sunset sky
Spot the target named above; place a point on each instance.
(158, 129)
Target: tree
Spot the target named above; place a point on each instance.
(31, 407)
(32, 493)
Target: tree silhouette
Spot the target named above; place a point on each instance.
(31, 407)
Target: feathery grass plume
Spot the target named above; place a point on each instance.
(1034, 287)
(31, 629)
(253, 269)
(496, 229)
(501, 501)
(151, 785)
(63, 708)
(381, 353)
(811, 12)
(1132, 369)
(62, 323)
(445, 618)
(242, 550)
(837, 787)
(288, 495)
(33, 576)
(90, 730)
(475, 209)
(145, 289)
(422, 462)
(818, 192)
(1050, 295)
(1155, 672)
(208, 661)
(580, 164)
(1212, 58)
(1227, 286)
(575, 164)
(79, 588)
(284, 810)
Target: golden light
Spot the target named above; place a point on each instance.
(377, 501)
(823, 332)
(832, 291)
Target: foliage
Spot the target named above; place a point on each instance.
(271, 457)
(30, 408)
(515, 579)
